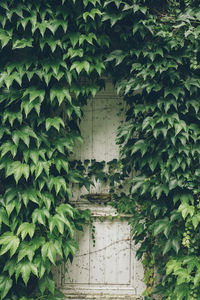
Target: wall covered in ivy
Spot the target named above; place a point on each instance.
(54, 55)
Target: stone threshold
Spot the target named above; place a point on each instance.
(102, 296)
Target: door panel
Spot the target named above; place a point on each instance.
(109, 269)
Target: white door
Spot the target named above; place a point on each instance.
(109, 269)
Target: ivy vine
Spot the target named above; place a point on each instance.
(46, 50)
(53, 56)
(155, 64)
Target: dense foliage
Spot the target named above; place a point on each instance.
(156, 67)
(46, 46)
(53, 54)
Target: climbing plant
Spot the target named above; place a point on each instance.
(46, 48)
(53, 56)
(155, 63)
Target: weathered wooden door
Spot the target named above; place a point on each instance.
(109, 269)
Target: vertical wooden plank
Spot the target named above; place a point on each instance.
(124, 253)
(97, 254)
(79, 270)
(111, 253)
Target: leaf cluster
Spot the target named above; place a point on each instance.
(47, 48)
(155, 64)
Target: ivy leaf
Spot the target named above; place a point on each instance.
(91, 14)
(79, 66)
(54, 122)
(176, 244)
(58, 182)
(34, 93)
(25, 268)
(23, 43)
(50, 250)
(5, 37)
(40, 215)
(29, 248)
(197, 277)
(24, 134)
(65, 208)
(29, 195)
(59, 221)
(3, 217)
(9, 242)
(17, 169)
(56, 221)
(26, 250)
(70, 246)
(61, 95)
(26, 228)
(40, 166)
(46, 283)
(41, 266)
(195, 221)
(167, 247)
(5, 285)
(160, 226)
(12, 116)
(186, 209)
(182, 291)
(8, 147)
(74, 37)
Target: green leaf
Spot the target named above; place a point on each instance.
(23, 43)
(195, 220)
(3, 217)
(46, 283)
(26, 250)
(29, 195)
(41, 265)
(26, 228)
(5, 285)
(25, 267)
(50, 250)
(5, 37)
(70, 246)
(182, 291)
(197, 277)
(34, 93)
(176, 244)
(24, 134)
(61, 95)
(80, 65)
(40, 215)
(54, 122)
(160, 226)
(17, 169)
(29, 248)
(58, 182)
(186, 209)
(40, 166)
(65, 208)
(167, 247)
(12, 116)
(8, 147)
(9, 242)
(74, 37)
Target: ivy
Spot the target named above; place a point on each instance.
(45, 49)
(53, 57)
(154, 63)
